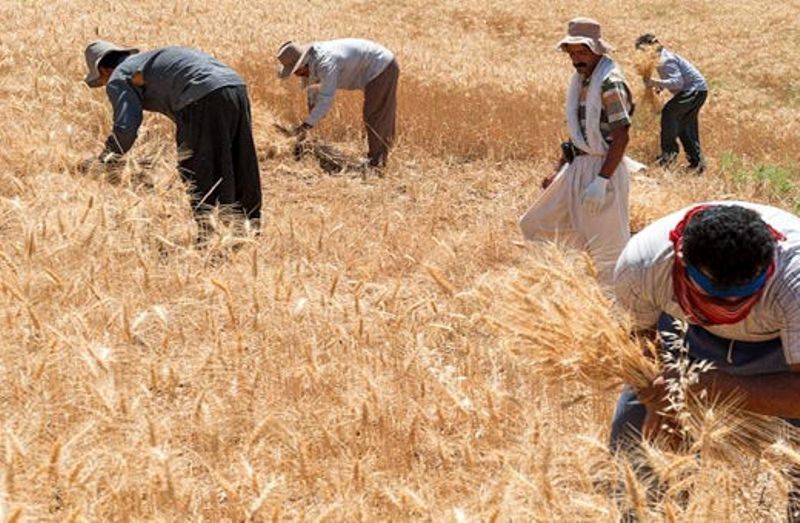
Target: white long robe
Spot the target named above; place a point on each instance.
(558, 214)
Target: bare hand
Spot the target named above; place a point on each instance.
(299, 131)
(549, 179)
(655, 394)
(658, 424)
(107, 162)
(663, 429)
(653, 423)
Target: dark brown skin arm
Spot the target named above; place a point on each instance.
(616, 151)
(775, 394)
(557, 167)
(771, 394)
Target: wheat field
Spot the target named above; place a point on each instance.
(351, 363)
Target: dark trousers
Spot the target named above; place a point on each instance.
(217, 156)
(380, 108)
(679, 121)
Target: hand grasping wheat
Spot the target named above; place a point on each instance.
(645, 64)
(571, 331)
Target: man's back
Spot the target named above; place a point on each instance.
(643, 281)
(172, 78)
(681, 74)
(356, 61)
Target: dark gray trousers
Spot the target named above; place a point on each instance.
(217, 155)
(679, 120)
(380, 108)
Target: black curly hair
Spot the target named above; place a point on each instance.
(730, 242)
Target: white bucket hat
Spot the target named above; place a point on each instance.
(292, 57)
(95, 52)
(585, 31)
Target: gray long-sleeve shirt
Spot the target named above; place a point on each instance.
(678, 74)
(348, 63)
(162, 80)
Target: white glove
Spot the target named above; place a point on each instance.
(594, 196)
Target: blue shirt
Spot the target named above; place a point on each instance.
(678, 74)
(162, 80)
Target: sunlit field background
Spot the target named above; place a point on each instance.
(348, 363)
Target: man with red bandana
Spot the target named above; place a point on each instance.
(731, 271)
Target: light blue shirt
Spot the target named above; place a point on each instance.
(678, 74)
(348, 63)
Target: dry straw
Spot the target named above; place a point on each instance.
(645, 62)
(570, 328)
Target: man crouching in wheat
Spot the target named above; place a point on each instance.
(731, 270)
(585, 201)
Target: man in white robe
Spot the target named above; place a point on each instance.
(585, 200)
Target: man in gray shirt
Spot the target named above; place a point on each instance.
(208, 102)
(680, 114)
(350, 64)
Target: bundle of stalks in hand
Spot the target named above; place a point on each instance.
(713, 427)
(331, 160)
(571, 332)
(117, 170)
(645, 64)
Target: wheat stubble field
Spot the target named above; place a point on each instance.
(348, 363)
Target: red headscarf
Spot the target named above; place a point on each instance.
(701, 308)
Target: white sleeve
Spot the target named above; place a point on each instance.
(329, 82)
(789, 302)
(634, 292)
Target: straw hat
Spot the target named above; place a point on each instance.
(95, 52)
(292, 57)
(585, 31)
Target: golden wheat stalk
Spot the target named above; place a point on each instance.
(572, 329)
(645, 64)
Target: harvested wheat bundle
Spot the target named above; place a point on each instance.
(645, 64)
(331, 160)
(571, 330)
(570, 327)
(128, 171)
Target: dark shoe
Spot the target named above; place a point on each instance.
(698, 168)
(666, 159)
